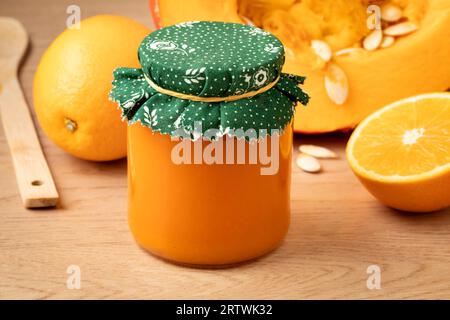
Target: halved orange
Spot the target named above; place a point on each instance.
(401, 153)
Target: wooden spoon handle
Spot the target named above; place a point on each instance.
(34, 178)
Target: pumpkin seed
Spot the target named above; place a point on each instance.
(317, 152)
(400, 29)
(346, 51)
(322, 49)
(387, 41)
(373, 40)
(336, 83)
(247, 21)
(391, 13)
(308, 163)
(373, 22)
(289, 52)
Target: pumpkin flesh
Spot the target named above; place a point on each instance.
(414, 64)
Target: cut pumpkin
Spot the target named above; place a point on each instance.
(418, 62)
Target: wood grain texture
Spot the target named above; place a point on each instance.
(337, 228)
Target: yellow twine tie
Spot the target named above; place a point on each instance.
(210, 99)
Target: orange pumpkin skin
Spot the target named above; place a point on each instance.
(417, 63)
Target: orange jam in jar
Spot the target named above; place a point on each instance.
(203, 213)
(209, 142)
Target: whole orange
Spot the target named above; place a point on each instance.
(72, 83)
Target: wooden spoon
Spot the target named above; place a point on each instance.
(34, 179)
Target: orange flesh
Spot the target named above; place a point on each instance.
(205, 214)
(406, 143)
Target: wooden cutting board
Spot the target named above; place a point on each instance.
(338, 230)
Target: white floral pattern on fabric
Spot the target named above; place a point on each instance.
(188, 24)
(257, 31)
(162, 45)
(169, 46)
(260, 78)
(135, 96)
(150, 117)
(194, 75)
(271, 48)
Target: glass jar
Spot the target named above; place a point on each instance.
(209, 142)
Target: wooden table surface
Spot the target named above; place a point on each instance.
(337, 228)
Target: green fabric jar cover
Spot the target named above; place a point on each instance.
(208, 59)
